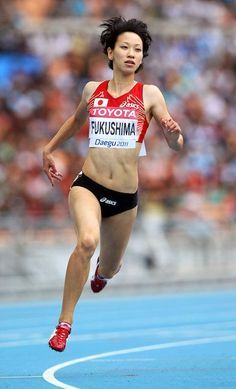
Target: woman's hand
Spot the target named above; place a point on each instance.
(49, 168)
(173, 134)
(171, 126)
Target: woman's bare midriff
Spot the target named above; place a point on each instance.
(113, 168)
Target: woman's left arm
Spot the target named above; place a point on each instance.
(158, 109)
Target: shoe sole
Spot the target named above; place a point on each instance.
(56, 349)
(96, 291)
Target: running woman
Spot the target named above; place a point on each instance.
(103, 197)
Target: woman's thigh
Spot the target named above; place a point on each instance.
(115, 233)
(85, 211)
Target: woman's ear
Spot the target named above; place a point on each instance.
(110, 54)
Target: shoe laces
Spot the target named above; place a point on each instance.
(62, 333)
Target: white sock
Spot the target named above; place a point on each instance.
(65, 324)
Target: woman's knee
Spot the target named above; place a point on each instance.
(87, 244)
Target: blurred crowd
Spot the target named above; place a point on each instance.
(41, 78)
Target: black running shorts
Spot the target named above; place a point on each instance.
(111, 201)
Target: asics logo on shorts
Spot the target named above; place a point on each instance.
(107, 201)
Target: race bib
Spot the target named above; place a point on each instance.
(113, 127)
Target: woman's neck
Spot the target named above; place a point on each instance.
(118, 86)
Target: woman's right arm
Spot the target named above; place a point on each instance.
(68, 130)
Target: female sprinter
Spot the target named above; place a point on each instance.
(103, 197)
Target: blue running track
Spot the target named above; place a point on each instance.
(180, 341)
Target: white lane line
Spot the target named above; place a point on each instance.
(49, 376)
(17, 377)
(124, 360)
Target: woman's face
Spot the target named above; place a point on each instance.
(127, 54)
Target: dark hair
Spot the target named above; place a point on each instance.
(116, 26)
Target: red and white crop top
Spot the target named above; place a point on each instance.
(116, 122)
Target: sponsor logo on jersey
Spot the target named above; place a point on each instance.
(114, 112)
(127, 104)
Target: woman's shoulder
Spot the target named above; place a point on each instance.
(151, 88)
(90, 88)
(151, 91)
